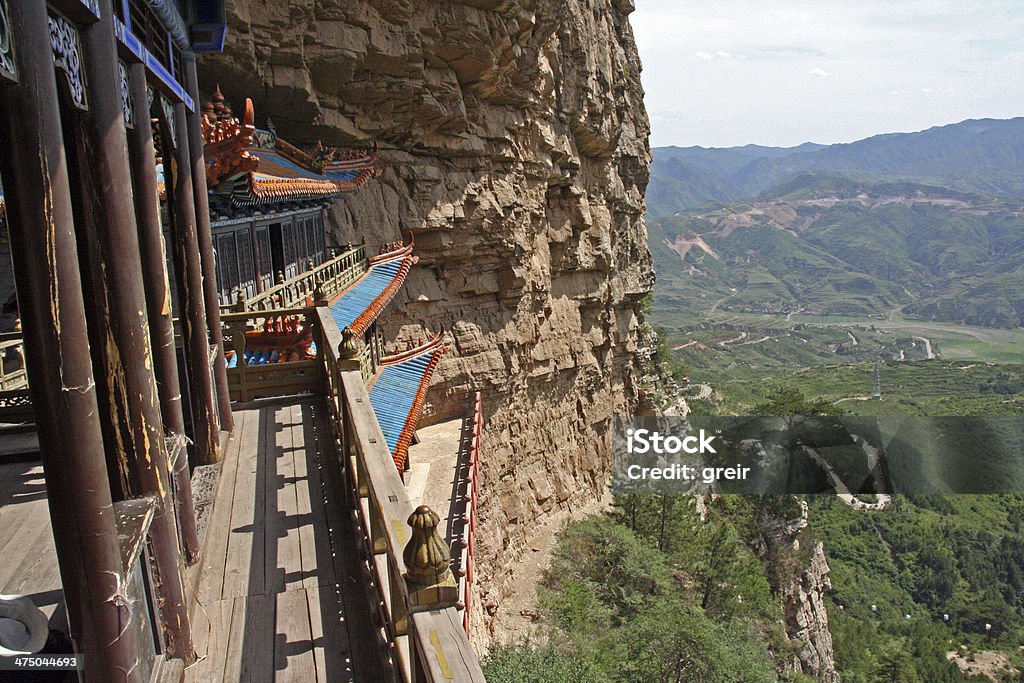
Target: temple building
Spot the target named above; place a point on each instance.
(268, 199)
(205, 438)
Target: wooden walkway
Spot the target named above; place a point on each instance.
(28, 563)
(282, 595)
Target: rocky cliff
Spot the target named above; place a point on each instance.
(800, 574)
(513, 140)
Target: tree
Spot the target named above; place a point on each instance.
(895, 665)
(796, 410)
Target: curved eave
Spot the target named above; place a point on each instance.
(258, 188)
(377, 306)
(399, 392)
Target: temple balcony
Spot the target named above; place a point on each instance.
(309, 568)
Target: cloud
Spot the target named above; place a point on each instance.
(881, 53)
(717, 54)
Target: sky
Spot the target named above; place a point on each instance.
(719, 73)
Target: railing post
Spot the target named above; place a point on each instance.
(351, 352)
(427, 560)
(236, 328)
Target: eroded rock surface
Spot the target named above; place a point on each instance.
(513, 140)
(803, 590)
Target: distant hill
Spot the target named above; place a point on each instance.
(984, 156)
(834, 245)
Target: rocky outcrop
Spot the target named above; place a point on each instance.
(513, 140)
(803, 605)
(800, 575)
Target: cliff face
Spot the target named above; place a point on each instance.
(513, 140)
(802, 586)
(807, 621)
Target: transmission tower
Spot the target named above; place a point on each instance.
(876, 394)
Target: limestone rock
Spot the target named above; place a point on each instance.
(803, 605)
(803, 598)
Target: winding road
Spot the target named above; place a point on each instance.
(884, 499)
(927, 347)
(704, 393)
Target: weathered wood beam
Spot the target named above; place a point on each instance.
(52, 308)
(134, 408)
(158, 302)
(204, 231)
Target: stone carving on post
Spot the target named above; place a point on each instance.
(427, 560)
(320, 296)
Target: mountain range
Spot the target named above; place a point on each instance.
(984, 156)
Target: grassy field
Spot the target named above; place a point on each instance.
(744, 355)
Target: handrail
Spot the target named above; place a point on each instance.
(402, 356)
(413, 586)
(420, 621)
(467, 558)
(328, 279)
(278, 339)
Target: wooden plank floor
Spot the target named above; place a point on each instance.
(282, 595)
(28, 563)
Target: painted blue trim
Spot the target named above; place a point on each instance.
(300, 172)
(172, 21)
(137, 48)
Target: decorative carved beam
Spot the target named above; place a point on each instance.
(8, 70)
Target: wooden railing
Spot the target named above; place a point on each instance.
(12, 362)
(467, 543)
(328, 279)
(416, 596)
(248, 382)
(413, 586)
(16, 408)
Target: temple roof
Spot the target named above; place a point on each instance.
(255, 167)
(361, 303)
(398, 393)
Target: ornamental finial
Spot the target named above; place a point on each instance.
(426, 556)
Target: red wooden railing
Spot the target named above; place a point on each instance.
(468, 540)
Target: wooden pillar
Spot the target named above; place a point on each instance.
(58, 361)
(205, 233)
(188, 266)
(134, 409)
(158, 303)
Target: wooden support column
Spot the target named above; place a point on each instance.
(205, 233)
(134, 409)
(158, 304)
(52, 308)
(188, 266)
